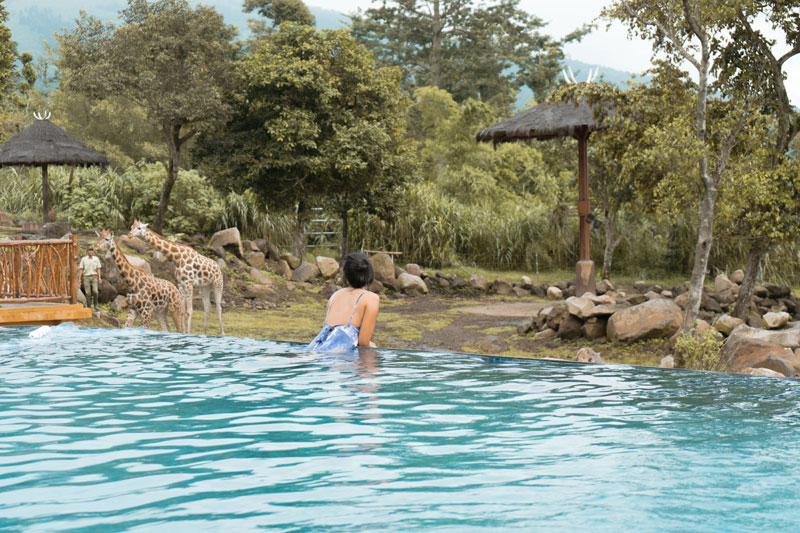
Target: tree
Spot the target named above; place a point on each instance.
(171, 59)
(280, 11)
(318, 123)
(485, 52)
(690, 31)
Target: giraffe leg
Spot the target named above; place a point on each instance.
(186, 290)
(206, 293)
(146, 314)
(177, 309)
(218, 300)
(161, 317)
(131, 318)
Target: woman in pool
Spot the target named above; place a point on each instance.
(352, 311)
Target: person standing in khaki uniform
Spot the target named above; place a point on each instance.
(89, 268)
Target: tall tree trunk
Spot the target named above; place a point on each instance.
(45, 196)
(436, 46)
(608, 252)
(705, 237)
(345, 244)
(299, 237)
(757, 251)
(172, 134)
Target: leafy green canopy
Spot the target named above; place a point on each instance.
(280, 11)
(484, 51)
(167, 57)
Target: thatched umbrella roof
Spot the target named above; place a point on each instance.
(44, 143)
(544, 121)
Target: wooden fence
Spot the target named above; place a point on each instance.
(39, 271)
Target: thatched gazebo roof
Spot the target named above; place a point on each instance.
(43, 143)
(544, 121)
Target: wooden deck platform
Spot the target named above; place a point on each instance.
(41, 314)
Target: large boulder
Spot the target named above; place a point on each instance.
(414, 269)
(328, 266)
(134, 243)
(409, 282)
(777, 291)
(502, 287)
(787, 337)
(570, 327)
(722, 283)
(726, 323)
(139, 263)
(383, 267)
(648, 320)
(588, 355)
(255, 259)
(55, 230)
(305, 272)
(554, 293)
(738, 276)
(478, 282)
(120, 303)
(580, 307)
(107, 292)
(257, 291)
(594, 328)
(227, 239)
(291, 260)
(283, 269)
(775, 320)
(604, 287)
(261, 277)
(526, 283)
(740, 353)
(766, 372)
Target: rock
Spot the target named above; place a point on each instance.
(761, 292)
(775, 320)
(414, 269)
(762, 372)
(539, 291)
(570, 327)
(741, 352)
(328, 290)
(545, 334)
(557, 313)
(139, 263)
(738, 276)
(726, 323)
(491, 344)
(652, 295)
(666, 294)
(305, 272)
(444, 283)
(605, 286)
(261, 277)
(261, 292)
(272, 252)
(709, 304)
(221, 263)
(648, 320)
(5, 220)
(397, 271)
(376, 286)
(459, 283)
(580, 307)
(787, 337)
(249, 246)
(554, 293)
(777, 291)
(667, 362)
(384, 268)
(525, 327)
(134, 243)
(753, 320)
(409, 283)
(502, 287)
(81, 297)
(519, 291)
(160, 258)
(327, 266)
(120, 303)
(431, 283)
(605, 299)
(107, 292)
(594, 328)
(722, 283)
(526, 283)
(636, 299)
(478, 282)
(640, 286)
(228, 239)
(726, 297)
(111, 320)
(255, 259)
(291, 260)
(283, 269)
(588, 355)
(606, 310)
(54, 230)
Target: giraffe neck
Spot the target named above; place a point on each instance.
(169, 248)
(126, 270)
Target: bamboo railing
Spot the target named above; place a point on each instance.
(39, 271)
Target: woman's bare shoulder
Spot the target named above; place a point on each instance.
(371, 298)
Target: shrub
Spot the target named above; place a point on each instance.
(699, 351)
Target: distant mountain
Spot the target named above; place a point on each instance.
(34, 25)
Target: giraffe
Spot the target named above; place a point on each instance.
(147, 295)
(191, 269)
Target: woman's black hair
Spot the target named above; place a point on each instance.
(357, 270)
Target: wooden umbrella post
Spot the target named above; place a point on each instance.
(584, 269)
(45, 196)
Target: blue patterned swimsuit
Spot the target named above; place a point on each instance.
(341, 338)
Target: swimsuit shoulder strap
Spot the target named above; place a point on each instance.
(354, 307)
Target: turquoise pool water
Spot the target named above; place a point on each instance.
(107, 430)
